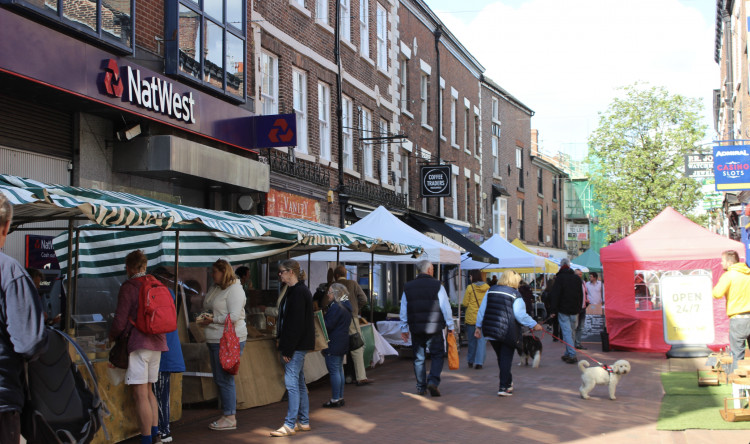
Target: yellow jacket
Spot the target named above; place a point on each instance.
(734, 284)
(471, 303)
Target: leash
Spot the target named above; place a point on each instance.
(544, 331)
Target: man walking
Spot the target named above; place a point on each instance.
(594, 289)
(22, 333)
(566, 299)
(357, 299)
(425, 312)
(582, 313)
(734, 285)
(144, 349)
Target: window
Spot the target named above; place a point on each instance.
(346, 122)
(423, 97)
(477, 151)
(383, 132)
(500, 217)
(495, 109)
(405, 176)
(365, 126)
(476, 204)
(466, 128)
(321, 11)
(467, 201)
(440, 111)
(210, 44)
(540, 222)
(554, 188)
(324, 120)
(454, 195)
(299, 91)
(403, 73)
(453, 120)
(364, 28)
(519, 218)
(115, 29)
(495, 157)
(269, 89)
(519, 166)
(345, 18)
(539, 181)
(554, 229)
(382, 28)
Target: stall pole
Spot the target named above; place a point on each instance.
(309, 263)
(73, 297)
(371, 279)
(338, 252)
(69, 272)
(176, 262)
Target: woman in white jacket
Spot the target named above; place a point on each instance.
(224, 298)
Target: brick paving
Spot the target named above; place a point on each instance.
(545, 407)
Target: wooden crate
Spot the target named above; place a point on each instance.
(735, 415)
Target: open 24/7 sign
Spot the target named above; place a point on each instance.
(687, 307)
(436, 180)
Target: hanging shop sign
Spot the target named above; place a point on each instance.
(290, 205)
(436, 180)
(732, 167)
(699, 165)
(276, 130)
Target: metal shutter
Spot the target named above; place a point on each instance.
(36, 128)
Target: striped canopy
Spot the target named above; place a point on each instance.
(209, 233)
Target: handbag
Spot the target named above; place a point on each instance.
(118, 354)
(229, 349)
(452, 352)
(355, 339)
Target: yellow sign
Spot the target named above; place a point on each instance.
(688, 311)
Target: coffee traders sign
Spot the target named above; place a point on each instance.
(436, 180)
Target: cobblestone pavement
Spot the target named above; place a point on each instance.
(545, 407)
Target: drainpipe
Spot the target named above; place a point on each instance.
(438, 128)
(729, 85)
(339, 115)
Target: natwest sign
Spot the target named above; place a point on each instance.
(151, 93)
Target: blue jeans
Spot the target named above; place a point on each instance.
(477, 347)
(161, 391)
(224, 381)
(294, 379)
(568, 324)
(434, 343)
(335, 366)
(579, 328)
(739, 331)
(504, 354)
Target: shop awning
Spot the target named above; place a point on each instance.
(474, 250)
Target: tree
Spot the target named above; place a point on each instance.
(636, 156)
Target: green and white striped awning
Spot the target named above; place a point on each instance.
(149, 224)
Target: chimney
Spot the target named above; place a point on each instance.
(534, 142)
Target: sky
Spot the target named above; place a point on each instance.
(565, 59)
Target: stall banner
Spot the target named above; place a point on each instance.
(289, 205)
(40, 253)
(732, 167)
(687, 308)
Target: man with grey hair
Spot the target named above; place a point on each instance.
(425, 312)
(566, 299)
(22, 333)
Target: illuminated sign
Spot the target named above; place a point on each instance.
(732, 168)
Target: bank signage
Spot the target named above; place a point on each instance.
(732, 167)
(436, 180)
(152, 93)
(276, 130)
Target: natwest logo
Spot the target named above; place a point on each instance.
(149, 92)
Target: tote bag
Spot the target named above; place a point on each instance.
(229, 349)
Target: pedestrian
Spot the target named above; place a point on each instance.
(425, 312)
(473, 297)
(338, 317)
(582, 313)
(594, 289)
(566, 299)
(171, 362)
(144, 349)
(225, 299)
(499, 319)
(528, 297)
(357, 299)
(22, 333)
(734, 285)
(296, 337)
(546, 300)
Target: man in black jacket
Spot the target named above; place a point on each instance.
(566, 299)
(425, 312)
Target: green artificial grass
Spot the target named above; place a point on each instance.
(689, 406)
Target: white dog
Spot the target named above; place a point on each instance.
(592, 376)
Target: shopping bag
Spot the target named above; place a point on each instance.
(321, 335)
(229, 349)
(118, 354)
(452, 351)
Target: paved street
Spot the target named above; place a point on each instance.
(545, 408)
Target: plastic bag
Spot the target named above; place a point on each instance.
(453, 359)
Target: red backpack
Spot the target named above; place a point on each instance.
(156, 310)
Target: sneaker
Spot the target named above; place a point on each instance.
(580, 347)
(166, 438)
(433, 390)
(569, 359)
(478, 366)
(420, 392)
(505, 392)
(470, 365)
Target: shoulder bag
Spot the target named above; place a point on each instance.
(355, 338)
(229, 348)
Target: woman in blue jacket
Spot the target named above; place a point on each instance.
(338, 317)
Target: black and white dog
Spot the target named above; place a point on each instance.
(530, 348)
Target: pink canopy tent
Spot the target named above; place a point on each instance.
(670, 241)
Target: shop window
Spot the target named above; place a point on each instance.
(347, 130)
(210, 44)
(108, 22)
